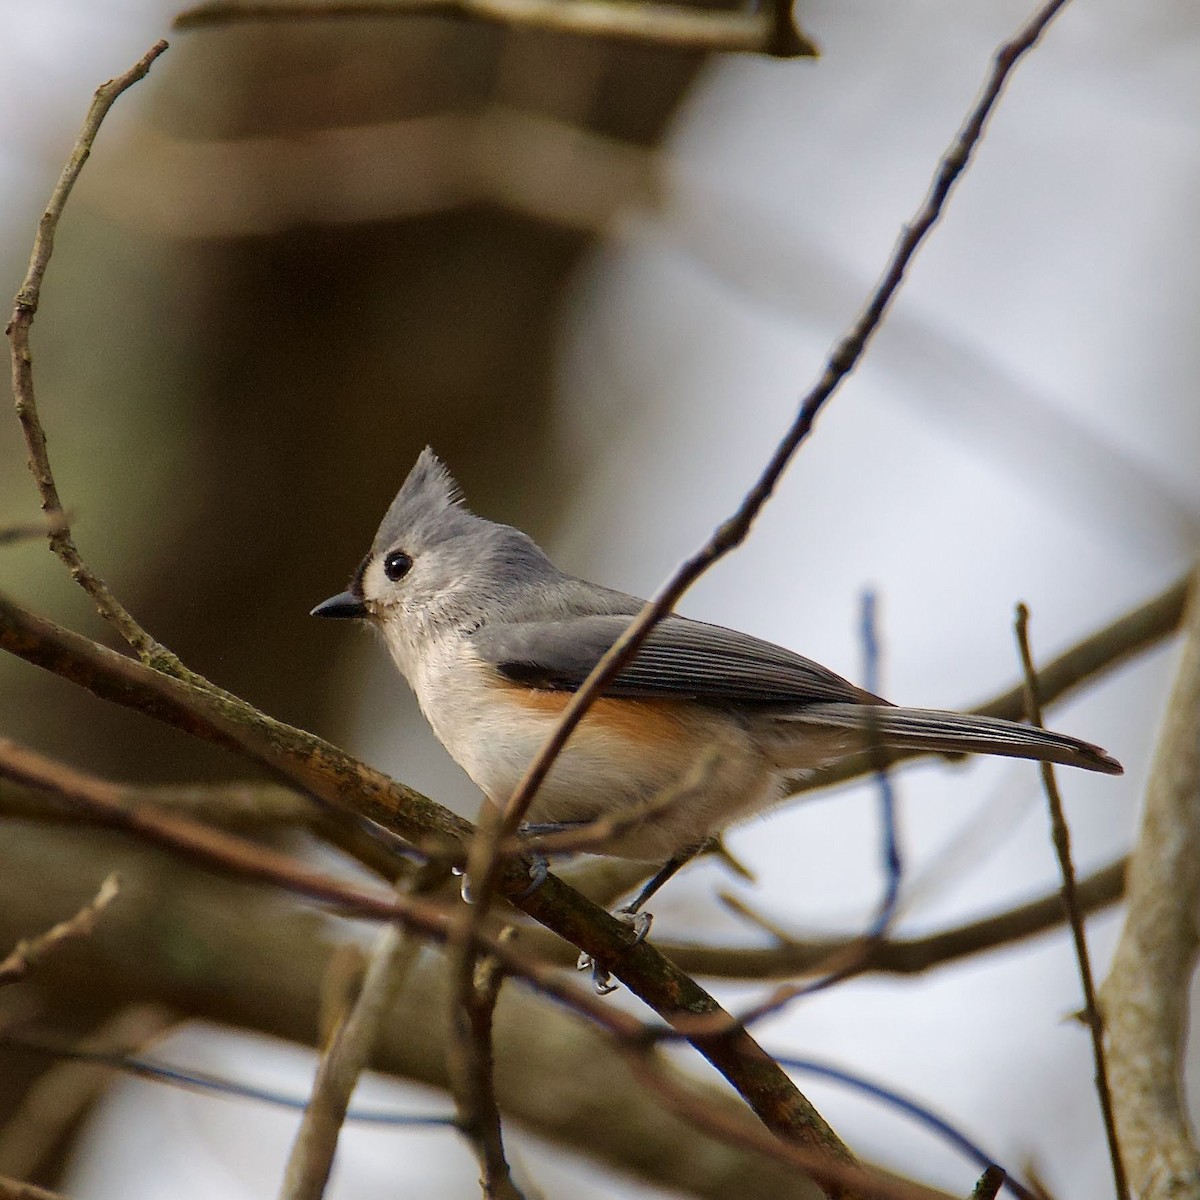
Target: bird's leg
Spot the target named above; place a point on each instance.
(639, 922)
(537, 862)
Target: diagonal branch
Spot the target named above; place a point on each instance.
(484, 857)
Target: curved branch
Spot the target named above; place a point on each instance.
(25, 306)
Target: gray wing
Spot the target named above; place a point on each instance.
(681, 659)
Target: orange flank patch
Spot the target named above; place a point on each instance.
(653, 721)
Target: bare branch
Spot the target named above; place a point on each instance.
(211, 847)
(911, 956)
(1145, 998)
(470, 1063)
(484, 860)
(484, 856)
(345, 1058)
(26, 954)
(771, 32)
(24, 308)
(1070, 896)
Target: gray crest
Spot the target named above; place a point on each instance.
(427, 510)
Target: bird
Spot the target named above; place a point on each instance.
(704, 727)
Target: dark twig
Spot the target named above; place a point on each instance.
(893, 864)
(912, 1108)
(771, 32)
(842, 361)
(1062, 847)
(1146, 996)
(25, 307)
(471, 1067)
(26, 954)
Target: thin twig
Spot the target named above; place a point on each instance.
(27, 953)
(595, 835)
(914, 1109)
(1145, 998)
(247, 806)
(211, 847)
(771, 32)
(25, 307)
(1062, 848)
(893, 862)
(471, 1066)
(346, 1056)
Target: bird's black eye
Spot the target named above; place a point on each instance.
(396, 565)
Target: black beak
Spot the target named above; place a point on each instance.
(344, 604)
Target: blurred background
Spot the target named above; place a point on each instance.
(595, 278)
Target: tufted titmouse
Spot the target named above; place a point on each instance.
(493, 638)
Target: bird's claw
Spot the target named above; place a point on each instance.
(639, 926)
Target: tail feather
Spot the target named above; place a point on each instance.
(956, 733)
